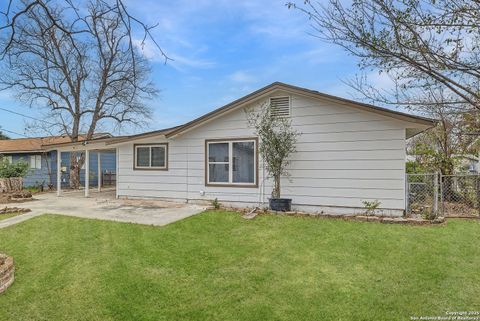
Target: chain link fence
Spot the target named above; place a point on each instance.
(460, 196)
(422, 195)
(432, 195)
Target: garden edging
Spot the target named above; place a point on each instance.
(7, 272)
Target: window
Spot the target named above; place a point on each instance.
(154, 156)
(280, 106)
(232, 162)
(36, 161)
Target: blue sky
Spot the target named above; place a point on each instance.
(222, 50)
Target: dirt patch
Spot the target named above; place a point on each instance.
(151, 204)
(452, 209)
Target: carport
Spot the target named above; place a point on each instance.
(97, 146)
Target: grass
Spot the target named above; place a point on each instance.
(218, 266)
(8, 215)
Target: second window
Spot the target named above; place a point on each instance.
(231, 162)
(151, 156)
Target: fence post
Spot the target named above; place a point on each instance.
(435, 194)
(477, 192)
(441, 194)
(407, 195)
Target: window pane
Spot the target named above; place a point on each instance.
(218, 152)
(158, 156)
(143, 154)
(243, 162)
(32, 161)
(218, 173)
(39, 162)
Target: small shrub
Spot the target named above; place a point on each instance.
(216, 204)
(371, 206)
(32, 189)
(38, 187)
(17, 169)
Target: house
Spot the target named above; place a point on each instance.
(42, 160)
(348, 152)
(468, 163)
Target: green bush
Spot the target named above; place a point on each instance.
(17, 169)
(216, 204)
(371, 206)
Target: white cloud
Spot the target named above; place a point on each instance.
(241, 76)
(180, 24)
(178, 61)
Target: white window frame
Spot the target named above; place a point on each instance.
(149, 146)
(230, 182)
(36, 160)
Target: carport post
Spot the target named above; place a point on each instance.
(59, 172)
(99, 172)
(87, 173)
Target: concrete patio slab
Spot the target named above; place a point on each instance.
(104, 206)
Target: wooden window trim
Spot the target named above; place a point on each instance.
(34, 158)
(141, 168)
(227, 140)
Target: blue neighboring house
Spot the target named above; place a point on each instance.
(43, 162)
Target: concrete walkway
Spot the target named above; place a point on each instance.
(104, 206)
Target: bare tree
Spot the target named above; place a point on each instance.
(417, 42)
(437, 149)
(81, 64)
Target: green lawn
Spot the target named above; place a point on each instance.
(7, 215)
(218, 266)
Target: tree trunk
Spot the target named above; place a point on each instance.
(76, 164)
(449, 193)
(276, 186)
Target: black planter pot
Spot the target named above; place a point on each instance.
(280, 204)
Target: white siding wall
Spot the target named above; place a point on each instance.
(344, 156)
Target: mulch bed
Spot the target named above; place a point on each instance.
(15, 197)
(249, 214)
(370, 218)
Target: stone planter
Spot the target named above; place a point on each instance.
(12, 184)
(7, 272)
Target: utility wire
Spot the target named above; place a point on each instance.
(12, 132)
(26, 116)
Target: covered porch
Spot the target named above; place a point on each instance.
(97, 175)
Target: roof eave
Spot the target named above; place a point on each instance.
(23, 151)
(83, 142)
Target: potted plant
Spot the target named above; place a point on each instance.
(277, 141)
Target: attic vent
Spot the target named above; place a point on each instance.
(280, 106)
